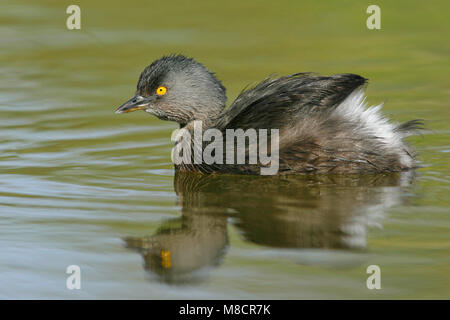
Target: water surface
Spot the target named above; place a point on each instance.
(80, 185)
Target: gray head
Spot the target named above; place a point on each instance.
(179, 89)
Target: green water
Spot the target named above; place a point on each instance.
(80, 185)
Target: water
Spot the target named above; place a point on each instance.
(80, 185)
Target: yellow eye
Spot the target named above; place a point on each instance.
(161, 91)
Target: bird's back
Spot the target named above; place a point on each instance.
(324, 126)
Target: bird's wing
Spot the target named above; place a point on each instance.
(277, 102)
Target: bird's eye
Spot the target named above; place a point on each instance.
(161, 91)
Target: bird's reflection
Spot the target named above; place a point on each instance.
(325, 211)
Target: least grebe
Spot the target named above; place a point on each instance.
(324, 123)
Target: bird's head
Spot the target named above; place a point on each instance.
(179, 89)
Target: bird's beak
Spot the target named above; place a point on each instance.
(136, 103)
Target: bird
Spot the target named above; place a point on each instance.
(323, 123)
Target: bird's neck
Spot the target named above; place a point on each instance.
(208, 120)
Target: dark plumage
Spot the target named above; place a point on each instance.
(323, 122)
